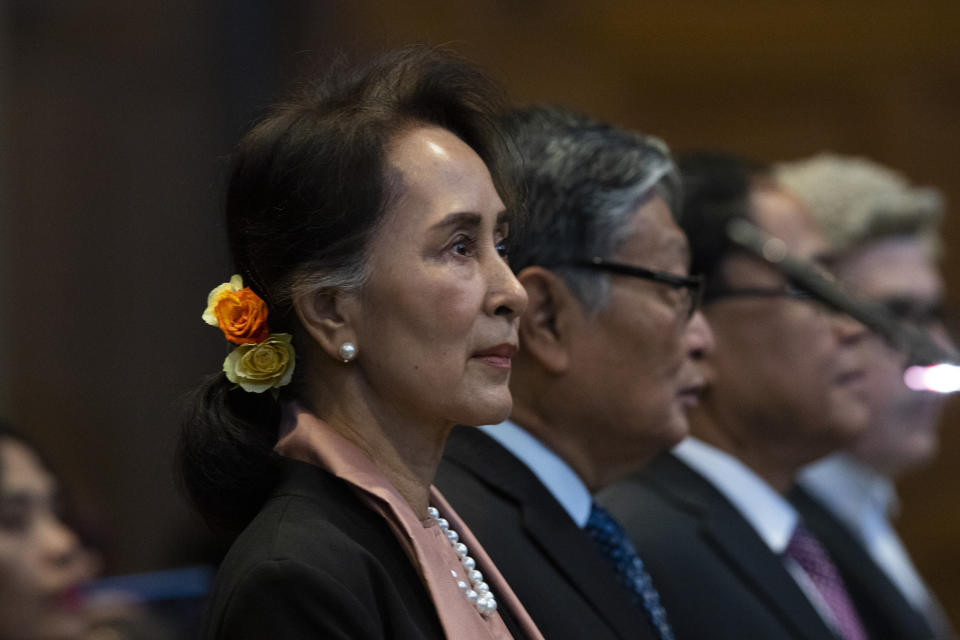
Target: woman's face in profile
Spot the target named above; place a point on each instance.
(436, 324)
(42, 565)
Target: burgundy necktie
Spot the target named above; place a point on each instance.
(806, 551)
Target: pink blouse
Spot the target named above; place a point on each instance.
(305, 437)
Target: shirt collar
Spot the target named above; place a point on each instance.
(769, 513)
(850, 488)
(556, 475)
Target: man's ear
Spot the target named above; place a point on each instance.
(325, 315)
(545, 326)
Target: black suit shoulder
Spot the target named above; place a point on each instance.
(316, 562)
(716, 577)
(549, 562)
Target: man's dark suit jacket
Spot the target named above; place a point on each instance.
(716, 577)
(318, 563)
(566, 586)
(862, 575)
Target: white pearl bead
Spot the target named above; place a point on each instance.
(479, 592)
(348, 351)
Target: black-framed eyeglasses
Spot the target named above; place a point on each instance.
(919, 312)
(786, 291)
(689, 287)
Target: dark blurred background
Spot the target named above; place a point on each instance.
(116, 119)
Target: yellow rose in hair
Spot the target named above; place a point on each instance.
(218, 294)
(258, 367)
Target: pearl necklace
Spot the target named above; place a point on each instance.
(477, 592)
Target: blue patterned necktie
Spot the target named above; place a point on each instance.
(612, 542)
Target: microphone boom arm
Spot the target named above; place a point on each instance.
(919, 347)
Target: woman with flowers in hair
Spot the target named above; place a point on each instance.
(372, 310)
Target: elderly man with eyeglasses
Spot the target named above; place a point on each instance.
(731, 556)
(604, 376)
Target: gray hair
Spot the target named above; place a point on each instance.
(581, 181)
(856, 201)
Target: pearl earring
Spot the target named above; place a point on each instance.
(348, 351)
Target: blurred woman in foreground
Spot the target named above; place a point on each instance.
(43, 566)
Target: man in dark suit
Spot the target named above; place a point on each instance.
(601, 382)
(730, 554)
(885, 232)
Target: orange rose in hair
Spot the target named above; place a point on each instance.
(242, 315)
(238, 311)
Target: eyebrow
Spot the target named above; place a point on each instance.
(826, 258)
(20, 499)
(469, 219)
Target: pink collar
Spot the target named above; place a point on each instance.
(304, 437)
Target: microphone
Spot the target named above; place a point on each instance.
(920, 349)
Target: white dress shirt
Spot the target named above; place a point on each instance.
(555, 474)
(864, 500)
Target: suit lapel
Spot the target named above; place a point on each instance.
(738, 544)
(880, 603)
(585, 569)
(551, 528)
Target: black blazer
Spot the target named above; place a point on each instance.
(870, 587)
(716, 577)
(550, 563)
(318, 563)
